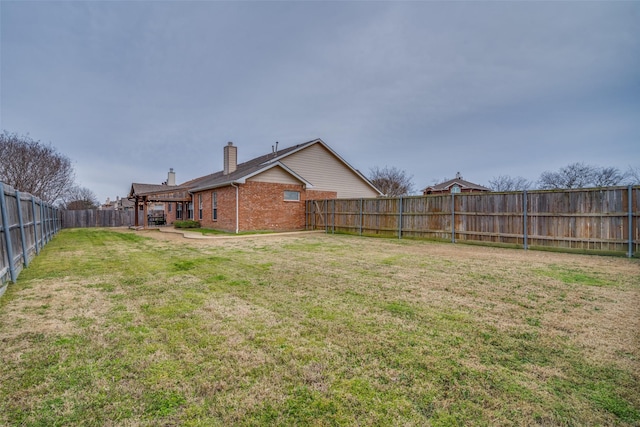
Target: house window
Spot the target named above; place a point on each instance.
(169, 207)
(190, 210)
(455, 189)
(200, 206)
(291, 196)
(179, 210)
(214, 205)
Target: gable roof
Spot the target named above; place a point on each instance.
(261, 164)
(445, 186)
(159, 192)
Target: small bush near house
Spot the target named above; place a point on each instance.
(186, 224)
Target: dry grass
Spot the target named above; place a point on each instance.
(123, 328)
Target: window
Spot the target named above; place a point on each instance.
(292, 196)
(169, 207)
(455, 189)
(190, 210)
(179, 210)
(214, 205)
(200, 206)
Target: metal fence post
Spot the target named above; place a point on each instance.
(35, 224)
(361, 216)
(326, 216)
(6, 228)
(333, 216)
(45, 225)
(42, 232)
(630, 203)
(400, 218)
(525, 224)
(453, 218)
(23, 237)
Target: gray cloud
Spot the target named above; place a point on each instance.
(129, 89)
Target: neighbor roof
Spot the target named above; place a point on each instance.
(159, 192)
(444, 186)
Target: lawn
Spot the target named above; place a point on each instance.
(115, 327)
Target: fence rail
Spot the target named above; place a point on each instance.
(97, 218)
(598, 219)
(26, 225)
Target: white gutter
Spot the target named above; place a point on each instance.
(236, 187)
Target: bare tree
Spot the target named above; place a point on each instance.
(575, 175)
(607, 177)
(509, 183)
(391, 182)
(632, 175)
(78, 198)
(33, 167)
(580, 175)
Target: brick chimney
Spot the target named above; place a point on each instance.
(230, 158)
(171, 177)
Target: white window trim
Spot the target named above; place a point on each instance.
(290, 192)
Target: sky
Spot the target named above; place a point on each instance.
(129, 89)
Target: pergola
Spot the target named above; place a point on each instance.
(146, 193)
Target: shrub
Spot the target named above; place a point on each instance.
(186, 224)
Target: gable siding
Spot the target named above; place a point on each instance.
(325, 172)
(275, 175)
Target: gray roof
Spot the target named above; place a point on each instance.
(240, 175)
(444, 186)
(159, 192)
(257, 165)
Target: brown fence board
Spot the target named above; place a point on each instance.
(97, 218)
(26, 225)
(595, 219)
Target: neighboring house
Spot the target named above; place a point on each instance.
(267, 192)
(455, 185)
(120, 204)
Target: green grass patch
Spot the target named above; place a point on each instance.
(574, 276)
(115, 328)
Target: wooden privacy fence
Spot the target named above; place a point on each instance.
(594, 219)
(26, 225)
(97, 218)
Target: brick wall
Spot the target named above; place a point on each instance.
(261, 207)
(226, 219)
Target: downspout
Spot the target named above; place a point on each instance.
(236, 187)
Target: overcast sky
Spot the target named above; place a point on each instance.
(130, 89)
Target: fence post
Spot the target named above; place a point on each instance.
(333, 216)
(525, 225)
(23, 237)
(35, 224)
(400, 219)
(42, 230)
(6, 227)
(453, 218)
(361, 216)
(630, 203)
(45, 225)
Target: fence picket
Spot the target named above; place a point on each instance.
(19, 231)
(593, 219)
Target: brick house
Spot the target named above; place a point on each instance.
(455, 185)
(264, 193)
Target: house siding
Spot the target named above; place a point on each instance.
(326, 172)
(275, 175)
